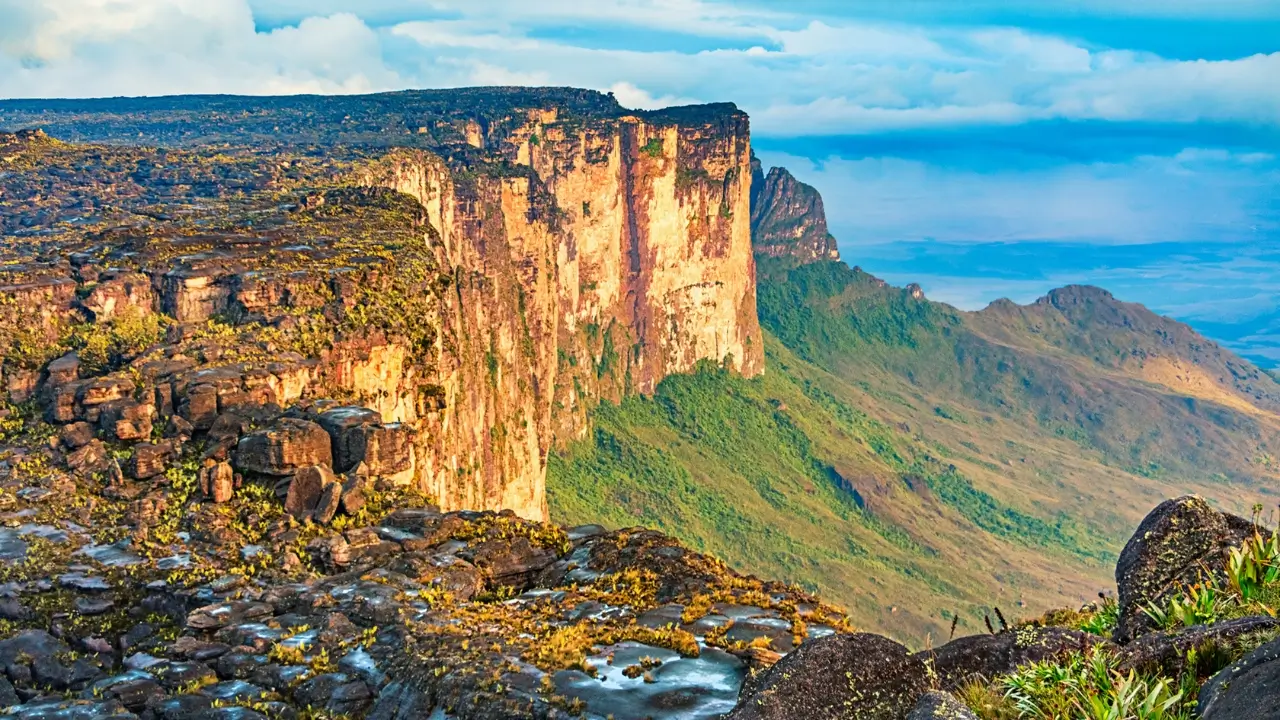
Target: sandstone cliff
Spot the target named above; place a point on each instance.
(788, 219)
(563, 252)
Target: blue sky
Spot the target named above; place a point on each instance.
(983, 147)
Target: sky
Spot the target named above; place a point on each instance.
(983, 148)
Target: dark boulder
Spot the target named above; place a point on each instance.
(940, 706)
(30, 644)
(133, 689)
(343, 424)
(327, 506)
(512, 563)
(217, 481)
(988, 656)
(1166, 652)
(88, 458)
(862, 676)
(1174, 546)
(360, 437)
(151, 459)
(76, 435)
(199, 406)
(311, 492)
(399, 701)
(65, 369)
(126, 420)
(1248, 689)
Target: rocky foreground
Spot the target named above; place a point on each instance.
(239, 383)
(396, 610)
(1218, 659)
(474, 615)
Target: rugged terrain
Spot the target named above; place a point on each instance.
(253, 356)
(925, 462)
(284, 378)
(549, 251)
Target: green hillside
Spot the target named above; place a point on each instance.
(911, 460)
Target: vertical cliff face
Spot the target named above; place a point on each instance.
(788, 219)
(605, 256)
(558, 250)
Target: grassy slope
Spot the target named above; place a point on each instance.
(910, 460)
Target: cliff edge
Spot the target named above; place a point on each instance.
(558, 250)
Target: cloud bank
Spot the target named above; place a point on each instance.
(797, 75)
(1015, 121)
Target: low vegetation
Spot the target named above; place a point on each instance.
(888, 430)
(1092, 685)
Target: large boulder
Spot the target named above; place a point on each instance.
(151, 459)
(289, 445)
(126, 420)
(65, 369)
(217, 481)
(510, 562)
(312, 494)
(1174, 546)
(360, 437)
(1248, 689)
(856, 676)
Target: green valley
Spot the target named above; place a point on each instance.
(914, 461)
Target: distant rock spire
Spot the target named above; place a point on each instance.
(787, 218)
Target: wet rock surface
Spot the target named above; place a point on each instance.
(418, 613)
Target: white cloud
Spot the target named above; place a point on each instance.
(835, 116)
(1198, 195)
(795, 76)
(134, 47)
(1038, 53)
(860, 41)
(633, 97)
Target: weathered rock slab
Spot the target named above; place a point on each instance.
(1248, 689)
(1175, 545)
(861, 676)
(286, 447)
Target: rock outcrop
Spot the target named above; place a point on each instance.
(1181, 542)
(534, 253)
(940, 706)
(788, 219)
(476, 616)
(1248, 689)
(870, 676)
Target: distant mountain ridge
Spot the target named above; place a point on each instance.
(1089, 319)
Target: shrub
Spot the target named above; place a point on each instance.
(103, 347)
(1090, 686)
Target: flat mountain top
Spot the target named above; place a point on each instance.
(411, 118)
